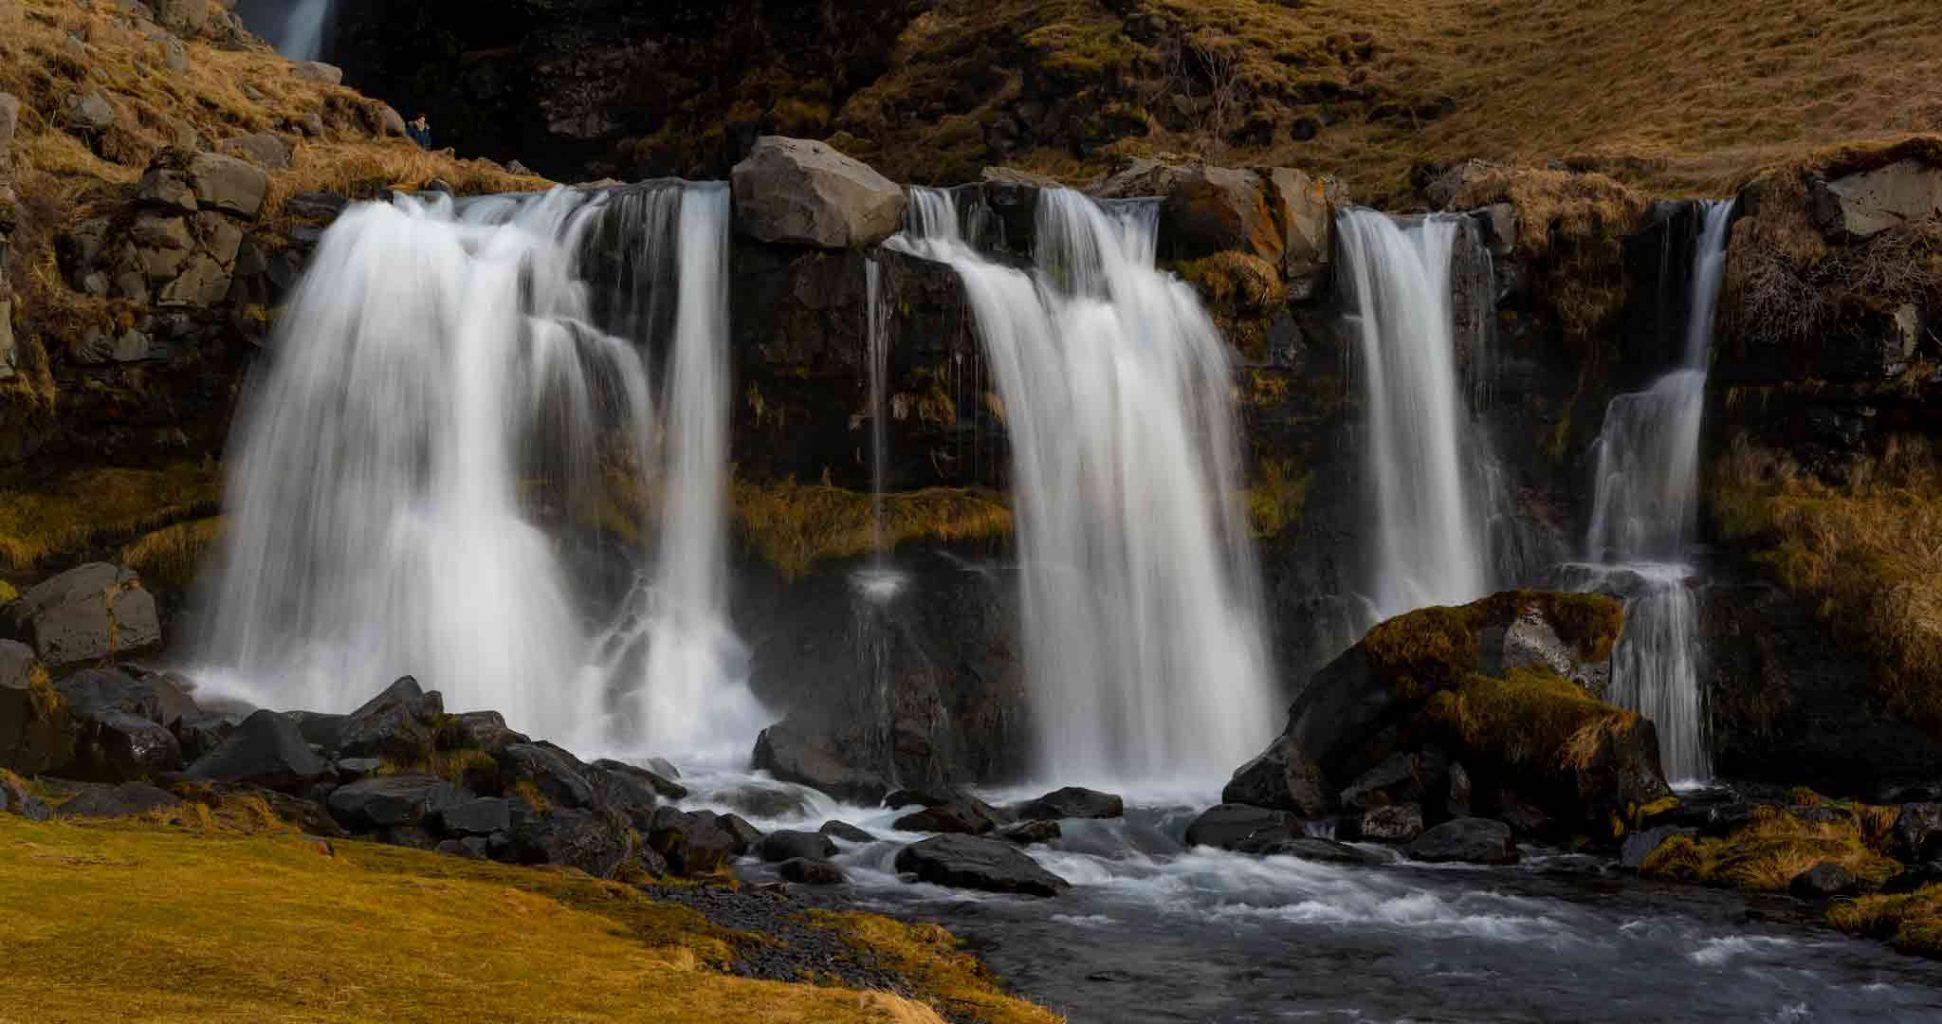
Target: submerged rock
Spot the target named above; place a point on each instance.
(1326, 851)
(969, 862)
(1281, 779)
(846, 832)
(793, 756)
(1471, 840)
(1029, 833)
(1070, 802)
(1241, 828)
(807, 871)
(785, 844)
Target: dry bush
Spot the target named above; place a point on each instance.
(1774, 847)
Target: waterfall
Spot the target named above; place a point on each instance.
(445, 388)
(1430, 544)
(1140, 594)
(878, 353)
(303, 34)
(1644, 522)
(696, 695)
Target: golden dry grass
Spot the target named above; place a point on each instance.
(1911, 921)
(92, 508)
(1658, 93)
(1775, 846)
(169, 558)
(794, 525)
(1531, 718)
(199, 919)
(1866, 555)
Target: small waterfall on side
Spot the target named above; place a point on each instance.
(695, 692)
(1644, 522)
(1140, 593)
(445, 385)
(1430, 541)
(297, 28)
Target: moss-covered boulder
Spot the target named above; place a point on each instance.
(36, 731)
(1505, 689)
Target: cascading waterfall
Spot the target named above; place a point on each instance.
(1430, 520)
(1644, 522)
(297, 28)
(1140, 593)
(438, 383)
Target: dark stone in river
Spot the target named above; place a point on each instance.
(1240, 827)
(956, 817)
(1280, 779)
(1326, 851)
(792, 756)
(693, 843)
(1396, 823)
(1918, 832)
(807, 871)
(1823, 881)
(787, 844)
(1070, 802)
(846, 832)
(1639, 845)
(970, 862)
(1472, 840)
(1028, 833)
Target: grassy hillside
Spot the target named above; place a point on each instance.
(200, 922)
(1662, 93)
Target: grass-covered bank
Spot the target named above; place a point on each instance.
(202, 922)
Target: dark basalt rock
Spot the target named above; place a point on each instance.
(479, 817)
(36, 730)
(624, 789)
(597, 842)
(1823, 881)
(804, 871)
(95, 692)
(478, 730)
(399, 725)
(969, 862)
(784, 844)
(1918, 832)
(1326, 851)
(657, 774)
(1030, 833)
(199, 732)
(1639, 845)
(1070, 802)
(1472, 840)
(744, 835)
(793, 756)
(1281, 779)
(1396, 823)
(549, 770)
(960, 817)
(692, 843)
(266, 750)
(391, 801)
(1241, 828)
(846, 832)
(127, 799)
(116, 746)
(1392, 781)
(765, 801)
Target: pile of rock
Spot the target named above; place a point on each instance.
(1453, 731)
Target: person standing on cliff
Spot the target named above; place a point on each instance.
(420, 131)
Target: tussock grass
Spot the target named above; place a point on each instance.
(794, 525)
(169, 558)
(97, 508)
(1276, 502)
(1531, 718)
(1912, 921)
(1865, 553)
(1776, 846)
(1436, 648)
(228, 925)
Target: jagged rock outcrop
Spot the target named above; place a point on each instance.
(1445, 707)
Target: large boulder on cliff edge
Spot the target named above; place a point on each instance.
(800, 192)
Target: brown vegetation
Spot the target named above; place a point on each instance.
(1777, 844)
(1864, 552)
(794, 525)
